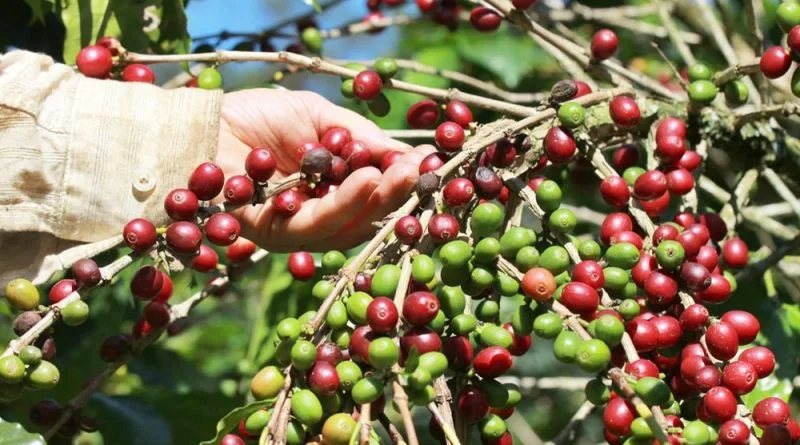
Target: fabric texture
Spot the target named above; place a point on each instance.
(83, 156)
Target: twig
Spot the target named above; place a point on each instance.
(754, 10)
(65, 259)
(736, 71)
(761, 113)
(365, 420)
(674, 35)
(566, 434)
(781, 188)
(401, 400)
(447, 429)
(521, 429)
(54, 311)
(366, 26)
(546, 383)
(394, 434)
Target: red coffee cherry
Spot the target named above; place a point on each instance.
(487, 184)
(301, 265)
(449, 136)
(484, 19)
(458, 191)
(357, 155)
(389, 158)
(46, 412)
(501, 154)
(520, 344)
(671, 148)
(793, 38)
(615, 191)
(717, 292)
(323, 379)
(137, 72)
(694, 317)
(206, 181)
(472, 403)
(166, 289)
(664, 232)
(691, 366)
(735, 252)
(222, 229)
(367, 85)
(625, 111)
(701, 231)
(580, 298)
(184, 237)
(359, 343)
(239, 189)
(655, 207)
(762, 359)
(650, 185)
(684, 219)
(157, 314)
(745, 324)
(740, 377)
(589, 272)
(642, 368)
(338, 171)
(146, 283)
(408, 230)
(206, 260)
(94, 61)
(538, 283)
(382, 315)
(423, 339)
(771, 411)
(240, 250)
(690, 242)
(671, 126)
(669, 330)
(493, 361)
(443, 227)
(643, 334)
(458, 350)
(618, 416)
(423, 114)
(583, 88)
(432, 162)
(523, 4)
(329, 352)
(604, 44)
(260, 164)
(459, 112)
(181, 205)
(775, 62)
(363, 283)
(87, 273)
(722, 340)
(420, 308)
(625, 156)
(661, 288)
(140, 234)
(707, 378)
(61, 290)
(642, 270)
(559, 144)
(287, 203)
(613, 224)
(114, 348)
(690, 160)
(680, 181)
(715, 225)
(734, 432)
(335, 139)
(720, 404)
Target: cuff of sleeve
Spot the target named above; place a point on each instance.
(130, 144)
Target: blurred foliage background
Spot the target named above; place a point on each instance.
(177, 390)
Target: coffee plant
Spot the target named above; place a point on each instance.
(608, 218)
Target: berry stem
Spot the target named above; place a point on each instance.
(401, 400)
(365, 422)
(65, 259)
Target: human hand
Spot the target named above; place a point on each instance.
(282, 121)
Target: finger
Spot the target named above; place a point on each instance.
(320, 218)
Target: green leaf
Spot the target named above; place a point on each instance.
(39, 8)
(509, 57)
(314, 4)
(15, 434)
(781, 329)
(83, 20)
(769, 386)
(232, 419)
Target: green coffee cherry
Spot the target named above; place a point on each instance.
(383, 353)
(696, 433)
(452, 301)
(640, 429)
(367, 390)
(566, 346)
(45, 375)
(788, 15)
(737, 93)
(622, 255)
(386, 67)
(609, 329)
(562, 221)
(420, 378)
(555, 259)
(571, 114)
(75, 313)
(30, 355)
(209, 79)
(631, 174)
(506, 285)
(548, 195)
(486, 250)
(597, 392)
(303, 355)
(306, 407)
(492, 427)
(288, 329)
(547, 325)
(267, 383)
(12, 369)
(590, 250)
(422, 396)
(487, 310)
(629, 309)
(385, 280)
(357, 307)
(486, 219)
(795, 83)
(493, 335)
(463, 324)
(332, 261)
(257, 421)
(593, 355)
(22, 294)
(527, 258)
(670, 254)
(455, 253)
(615, 278)
(322, 289)
(380, 106)
(423, 269)
(702, 91)
(349, 374)
(338, 429)
(347, 88)
(312, 39)
(653, 391)
(700, 71)
(337, 316)
(433, 362)
(513, 240)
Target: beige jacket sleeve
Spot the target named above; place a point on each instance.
(80, 157)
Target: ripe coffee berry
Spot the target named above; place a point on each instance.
(664, 232)
(87, 273)
(423, 114)
(694, 317)
(671, 126)
(615, 191)
(722, 340)
(740, 377)
(206, 260)
(206, 181)
(472, 403)
(114, 348)
(382, 315)
(449, 136)
(367, 85)
(744, 323)
(642, 368)
(335, 139)
(690, 160)
(707, 378)
(157, 314)
(624, 157)
(559, 145)
(793, 39)
(432, 162)
(661, 288)
(717, 292)
(458, 112)
(287, 203)
(771, 411)
(484, 19)
(644, 334)
(94, 61)
(184, 237)
(443, 227)
(618, 416)
(643, 268)
(589, 272)
(389, 158)
(147, 283)
(691, 243)
(423, 339)
(762, 359)
(301, 265)
(614, 223)
(487, 184)
(655, 207)
(492, 362)
(735, 253)
(239, 190)
(140, 234)
(61, 290)
(680, 181)
(458, 191)
(420, 308)
(222, 229)
(538, 283)
(137, 72)
(650, 185)
(625, 112)
(580, 298)
(260, 164)
(357, 155)
(720, 404)
(523, 4)
(671, 147)
(323, 379)
(775, 62)
(181, 205)
(408, 229)
(604, 44)
(240, 250)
